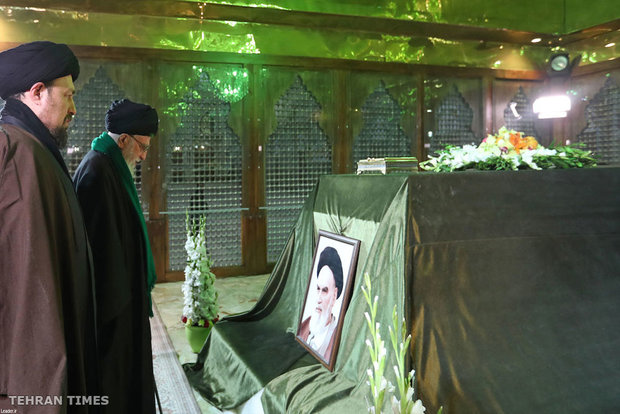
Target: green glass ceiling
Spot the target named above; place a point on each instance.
(455, 33)
(543, 16)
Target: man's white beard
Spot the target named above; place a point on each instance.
(319, 321)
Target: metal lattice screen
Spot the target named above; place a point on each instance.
(519, 115)
(453, 120)
(204, 177)
(602, 132)
(297, 153)
(92, 103)
(381, 135)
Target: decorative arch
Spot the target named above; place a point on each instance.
(453, 120)
(91, 102)
(602, 132)
(204, 176)
(297, 153)
(381, 134)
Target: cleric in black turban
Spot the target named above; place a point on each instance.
(125, 116)
(48, 341)
(29, 63)
(115, 225)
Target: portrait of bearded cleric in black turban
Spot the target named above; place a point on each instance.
(327, 295)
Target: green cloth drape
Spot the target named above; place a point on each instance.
(231, 369)
(508, 281)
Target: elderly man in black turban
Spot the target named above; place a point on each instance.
(47, 340)
(124, 269)
(317, 330)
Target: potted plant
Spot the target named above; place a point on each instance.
(200, 297)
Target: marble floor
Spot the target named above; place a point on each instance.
(236, 294)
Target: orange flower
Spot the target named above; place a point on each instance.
(515, 138)
(522, 143)
(531, 143)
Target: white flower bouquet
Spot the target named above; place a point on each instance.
(200, 297)
(508, 150)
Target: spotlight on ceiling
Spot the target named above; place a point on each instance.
(560, 64)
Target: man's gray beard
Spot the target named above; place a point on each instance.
(60, 136)
(132, 168)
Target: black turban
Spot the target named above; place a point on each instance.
(27, 64)
(329, 257)
(131, 118)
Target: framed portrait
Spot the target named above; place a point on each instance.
(327, 296)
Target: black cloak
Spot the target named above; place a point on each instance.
(120, 279)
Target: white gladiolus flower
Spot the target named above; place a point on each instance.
(410, 394)
(395, 405)
(411, 376)
(199, 295)
(418, 408)
(382, 352)
(384, 384)
(381, 388)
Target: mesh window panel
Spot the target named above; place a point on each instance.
(92, 103)
(381, 134)
(602, 132)
(297, 153)
(519, 115)
(204, 177)
(453, 119)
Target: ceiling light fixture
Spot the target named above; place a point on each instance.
(561, 65)
(555, 103)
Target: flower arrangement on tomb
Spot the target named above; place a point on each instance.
(508, 150)
(199, 294)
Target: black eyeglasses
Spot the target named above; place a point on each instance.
(143, 147)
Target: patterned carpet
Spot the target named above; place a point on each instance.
(175, 393)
